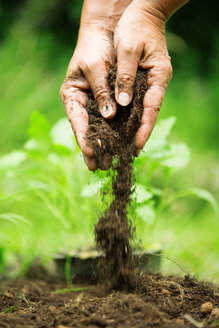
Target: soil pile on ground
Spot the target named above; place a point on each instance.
(115, 137)
(161, 302)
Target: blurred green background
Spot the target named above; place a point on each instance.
(48, 199)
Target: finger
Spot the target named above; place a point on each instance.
(138, 152)
(90, 162)
(158, 79)
(152, 102)
(75, 100)
(127, 64)
(96, 73)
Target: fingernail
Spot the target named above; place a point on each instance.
(138, 152)
(107, 111)
(123, 99)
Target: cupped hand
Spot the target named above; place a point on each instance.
(88, 69)
(140, 42)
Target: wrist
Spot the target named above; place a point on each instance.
(164, 8)
(104, 14)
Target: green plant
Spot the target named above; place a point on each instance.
(51, 189)
(159, 160)
(44, 183)
(9, 309)
(158, 164)
(69, 290)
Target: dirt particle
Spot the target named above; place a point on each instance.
(179, 321)
(166, 292)
(206, 308)
(9, 295)
(99, 143)
(214, 314)
(52, 309)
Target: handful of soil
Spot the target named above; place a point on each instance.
(116, 137)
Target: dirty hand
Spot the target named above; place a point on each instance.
(88, 69)
(140, 42)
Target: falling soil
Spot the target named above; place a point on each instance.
(161, 302)
(115, 138)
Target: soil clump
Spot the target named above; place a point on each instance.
(115, 137)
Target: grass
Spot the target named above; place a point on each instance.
(69, 290)
(8, 309)
(27, 301)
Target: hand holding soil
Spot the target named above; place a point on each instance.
(139, 41)
(88, 70)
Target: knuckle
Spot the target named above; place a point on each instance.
(63, 92)
(129, 46)
(68, 91)
(101, 93)
(90, 65)
(125, 79)
(161, 73)
(127, 49)
(166, 68)
(169, 69)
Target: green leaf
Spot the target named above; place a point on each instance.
(62, 134)
(37, 184)
(198, 192)
(156, 191)
(91, 189)
(8, 309)
(12, 159)
(162, 129)
(62, 150)
(141, 194)
(206, 195)
(14, 218)
(177, 156)
(68, 290)
(39, 127)
(31, 144)
(155, 149)
(147, 213)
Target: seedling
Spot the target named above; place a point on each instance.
(8, 309)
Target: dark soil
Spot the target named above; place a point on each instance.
(115, 137)
(156, 302)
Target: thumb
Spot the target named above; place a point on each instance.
(127, 64)
(96, 74)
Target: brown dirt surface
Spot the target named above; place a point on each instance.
(161, 302)
(115, 138)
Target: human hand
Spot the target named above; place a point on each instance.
(88, 69)
(88, 72)
(140, 41)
